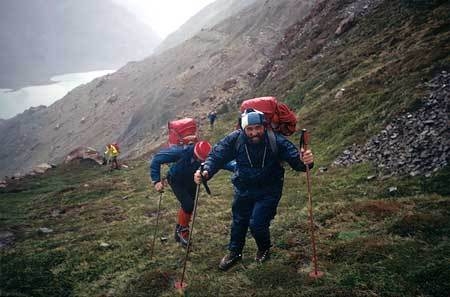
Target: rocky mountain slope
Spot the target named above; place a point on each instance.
(347, 67)
(372, 76)
(41, 39)
(414, 143)
(132, 106)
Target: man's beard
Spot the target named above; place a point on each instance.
(256, 139)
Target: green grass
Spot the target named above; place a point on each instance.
(366, 238)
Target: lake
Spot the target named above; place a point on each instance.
(15, 102)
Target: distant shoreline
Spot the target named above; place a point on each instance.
(15, 82)
(14, 87)
(45, 92)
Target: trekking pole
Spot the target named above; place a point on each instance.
(181, 284)
(204, 182)
(157, 222)
(304, 138)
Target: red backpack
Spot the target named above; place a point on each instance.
(182, 132)
(280, 117)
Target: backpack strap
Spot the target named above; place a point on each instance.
(239, 141)
(272, 141)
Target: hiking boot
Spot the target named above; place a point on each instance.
(229, 260)
(262, 256)
(182, 235)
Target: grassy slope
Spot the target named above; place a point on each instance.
(370, 242)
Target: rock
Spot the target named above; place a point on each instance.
(414, 173)
(339, 94)
(41, 168)
(230, 83)
(104, 244)
(323, 169)
(392, 189)
(176, 93)
(45, 230)
(84, 152)
(345, 24)
(113, 98)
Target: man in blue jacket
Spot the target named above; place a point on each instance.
(185, 161)
(257, 179)
(212, 118)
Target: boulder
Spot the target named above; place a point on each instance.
(41, 168)
(84, 152)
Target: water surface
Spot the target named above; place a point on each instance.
(15, 102)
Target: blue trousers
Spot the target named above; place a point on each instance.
(185, 193)
(255, 212)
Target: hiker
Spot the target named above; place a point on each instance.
(257, 179)
(186, 160)
(111, 154)
(212, 116)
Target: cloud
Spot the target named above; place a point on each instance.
(166, 16)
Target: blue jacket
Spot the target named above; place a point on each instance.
(258, 171)
(184, 164)
(212, 117)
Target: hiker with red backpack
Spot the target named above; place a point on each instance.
(257, 179)
(185, 161)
